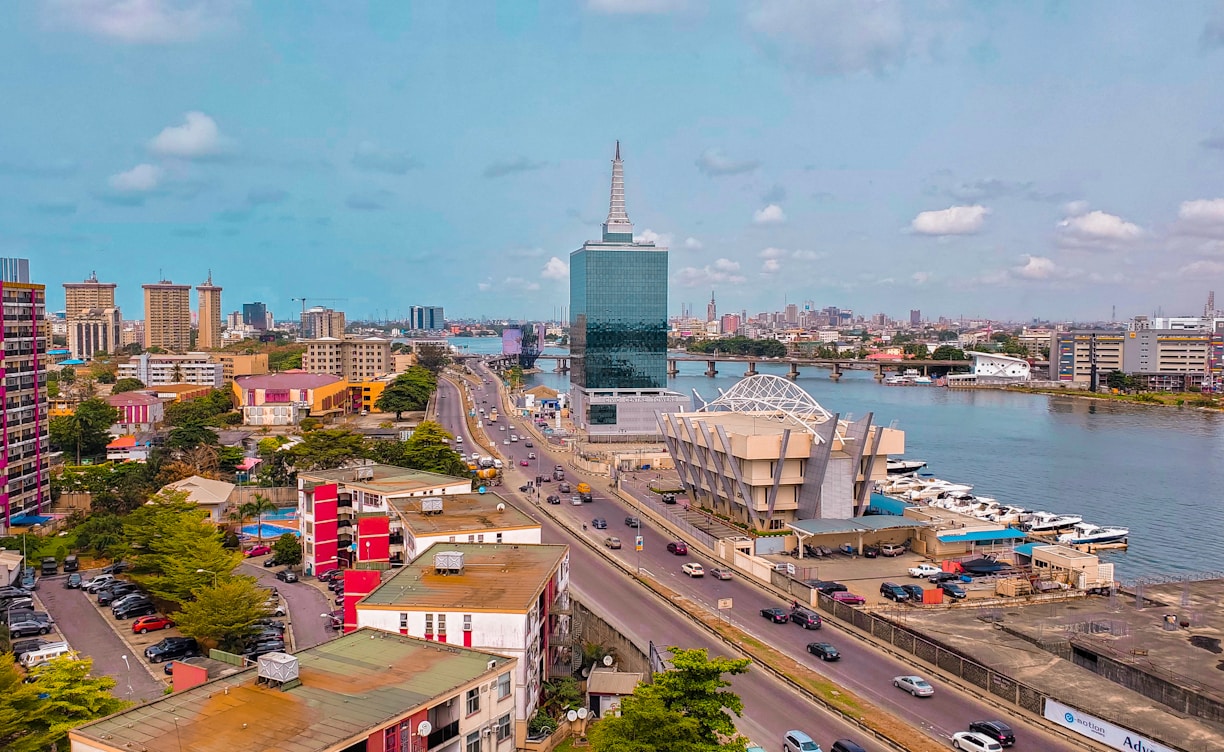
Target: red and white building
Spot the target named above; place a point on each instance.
(139, 412)
(25, 484)
(128, 449)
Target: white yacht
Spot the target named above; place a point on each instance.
(1010, 515)
(1048, 522)
(935, 489)
(905, 467)
(1086, 532)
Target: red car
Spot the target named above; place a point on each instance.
(523, 463)
(849, 598)
(679, 548)
(258, 551)
(147, 624)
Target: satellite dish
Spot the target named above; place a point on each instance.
(583, 712)
(423, 728)
(482, 489)
(571, 716)
(501, 507)
(607, 660)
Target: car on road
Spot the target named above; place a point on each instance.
(893, 592)
(554, 499)
(576, 500)
(953, 590)
(915, 592)
(915, 685)
(824, 651)
(524, 463)
(996, 730)
(797, 741)
(633, 522)
(720, 573)
(846, 745)
(612, 542)
(669, 498)
(139, 608)
(805, 618)
(564, 487)
(73, 582)
(531, 455)
(892, 549)
(679, 548)
(270, 562)
(506, 442)
(27, 627)
(170, 648)
(529, 445)
(599, 523)
(693, 569)
(969, 741)
(146, 624)
(502, 428)
(776, 615)
(287, 575)
(924, 570)
(260, 550)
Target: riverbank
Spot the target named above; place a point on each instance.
(1162, 399)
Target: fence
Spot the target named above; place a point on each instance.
(281, 496)
(674, 517)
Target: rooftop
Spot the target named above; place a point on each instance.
(462, 513)
(123, 399)
(203, 490)
(855, 525)
(497, 577)
(384, 480)
(349, 687)
(294, 379)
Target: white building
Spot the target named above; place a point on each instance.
(996, 366)
(507, 599)
(156, 370)
(456, 518)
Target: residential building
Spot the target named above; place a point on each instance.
(256, 316)
(167, 316)
(128, 449)
(179, 392)
(507, 599)
(766, 454)
(618, 329)
(94, 330)
(213, 496)
(87, 295)
(426, 318)
(730, 324)
(340, 508)
(132, 333)
(234, 365)
(24, 478)
(208, 303)
(1035, 340)
(352, 358)
(370, 690)
(1166, 359)
(419, 522)
(138, 411)
(319, 322)
(160, 369)
(283, 399)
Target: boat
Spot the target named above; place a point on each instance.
(916, 378)
(905, 467)
(1086, 532)
(1010, 515)
(984, 565)
(897, 381)
(935, 489)
(1048, 522)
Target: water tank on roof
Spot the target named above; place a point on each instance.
(431, 505)
(448, 562)
(364, 473)
(280, 668)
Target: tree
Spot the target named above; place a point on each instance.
(287, 550)
(646, 724)
(948, 352)
(326, 449)
(695, 687)
(514, 376)
(409, 392)
(257, 507)
(86, 431)
(223, 615)
(190, 435)
(433, 357)
(917, 349)
(100, 533)
(1120, 381)
(127, 385)
(56, 698)
(427, 449)
(67, 374)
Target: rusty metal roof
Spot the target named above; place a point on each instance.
(350, 687)
(503, 577)
(461, 514)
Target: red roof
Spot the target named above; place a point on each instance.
(122, 442)
(287, 380)
(124, 399)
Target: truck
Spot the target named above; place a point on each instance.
(493, 415)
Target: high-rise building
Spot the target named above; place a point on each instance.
(255, 315)
(208, 301)
(711, 309)
(618, 329)
(88, 295)
(319, 322)
(730, 323)
(426, 318)
(792, 314)
(94, 330)
(167, 316)
(25, 484)
(353, 358)
(915, 317)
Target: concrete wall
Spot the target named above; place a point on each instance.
(595, 629)
(1144, 680)
(281, 496)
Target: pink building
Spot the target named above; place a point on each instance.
(138, 411)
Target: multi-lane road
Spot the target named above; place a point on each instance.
(771, 708)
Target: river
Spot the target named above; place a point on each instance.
(1156, 470)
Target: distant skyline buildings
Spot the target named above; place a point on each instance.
(208, 318)
(167, 309)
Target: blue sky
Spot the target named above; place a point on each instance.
(988, 159)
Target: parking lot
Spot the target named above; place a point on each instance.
(305, 601)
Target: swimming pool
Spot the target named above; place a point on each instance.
(284, 513)
(269, 531)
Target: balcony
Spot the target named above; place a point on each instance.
(442, 735)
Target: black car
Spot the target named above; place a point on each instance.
(267, 634)
(115, 568)
(276, 624)
(73, 582)
(10, 591)
(28, 646)
(995, 730)
(805, 618)
(633, 522)
(599, 523)
(669, 498)
(943, 577)
(286, 575)
(132, 610)
(828, 587)
(554, 499)
(256, 648)
(776, 615)
(109, 595)
(172, 647)
(894, 592)
(128, 599)
(25, 614)
(16, 604)
(824, 651)
(269, 562)
(953, 590)
(914, 592)
(27, 627)
(871, 552)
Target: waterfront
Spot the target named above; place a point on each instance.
(1157, 471)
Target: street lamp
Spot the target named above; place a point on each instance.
(208, 571)
(129, 675)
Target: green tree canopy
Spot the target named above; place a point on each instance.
(760, 348)
(326, 449)
(433, 357)
(127, 385)
(287, 550)
(100, 533)
(427, 449)
(948, 352)
(225, 614)
(85, 433)
(67, 374)
(63, 695)
(191, 434)
(202, 410)
(409, 392)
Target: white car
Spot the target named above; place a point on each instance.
(924, 570)
(915, 685)
(506, 442)
(974, 742)
(501, 428)
(458, 439)
(693, 569)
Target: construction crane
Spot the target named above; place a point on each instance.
(317, 300)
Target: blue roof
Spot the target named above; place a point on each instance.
(978, 536)
(58, 352)
(888, 504)
(71, 362)
(1027, 548)
(29, 519)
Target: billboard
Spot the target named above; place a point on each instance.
(512, 341)
(1114, 737)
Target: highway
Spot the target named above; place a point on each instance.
(863, 669)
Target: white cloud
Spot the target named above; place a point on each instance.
(693, 244)
(555, 269)
(1075, 208)
(832, 36)
(714, 162)
(142, 21)
(955, 220)
(1036, 267)
(1201, 217)
(770, 266)
(770, 215)
(773, 253)
(140, 179)
(726, 265)
(1098, 229)
(921, 278)
(1202, 270)
(197, 137)
(722, 271)
(662, 239)
(636, 7)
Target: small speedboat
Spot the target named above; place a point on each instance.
(1086, 532)
(904, 467)
(1010, 515)
(1048, 522)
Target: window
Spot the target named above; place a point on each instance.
(776, 524)
(473, 701)
(403, 621)
(391, 737)
(503, 727)
(428, 626)
(503, 686)
(442, 627)
(473, 742)
(467, 622)
(499, 537)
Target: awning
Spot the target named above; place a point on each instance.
(982, 536)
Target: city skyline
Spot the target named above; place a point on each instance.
(993, 162)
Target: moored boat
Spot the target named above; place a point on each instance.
(1048, 522)
(1086, 532)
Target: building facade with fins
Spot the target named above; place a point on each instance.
(208, 302)
(167, 316)
(618, 325)
(24, 478)
(91, 318)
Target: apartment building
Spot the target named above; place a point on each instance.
(90, 294)
(208, 303)
(351, 358)
(167, 316)
(94, 330)
(139, 412)
(319, 322)
(24, 478)
(234, 365)
(283, 399)
(160, 369)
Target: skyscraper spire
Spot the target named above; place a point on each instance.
(618, 228)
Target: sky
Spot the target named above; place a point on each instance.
(1003, 160)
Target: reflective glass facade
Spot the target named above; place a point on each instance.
(618, 316)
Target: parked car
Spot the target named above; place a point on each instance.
(892, 549)
(270, 562)
(824, 651)
(29, 582)
(129, 597)
(262, 648)
(10, 591)
(679, 548)
(871, 552)
(138, 608)
(115, 567)
(50, 565)
(74, 581)
(996, 730)
(339, 598)
(172, 647)
(71, 563)
(914, 592)
(633, 522)
(27, 627)
(336, 618)
(915, 685)
(776, 615)
(693, 569)
(94, 584)
(944, 577)
(797, 741)
(612, 542)
(805, 618)
(29, 646)
(893, 592)
(274, 623)
(260, 550)
(924, 570)
(109, 596)
(973, 742)
(599, 523)
(828, 587)
(275, 607)
(328, 574)
(287, 575)
(146, 624)
(22, 614)
(952, 590)
(720, 573)
(11, 605)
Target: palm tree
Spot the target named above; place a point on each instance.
(257, 508)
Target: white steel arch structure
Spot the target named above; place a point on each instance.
(766, 393)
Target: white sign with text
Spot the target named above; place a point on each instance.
(1104, 732)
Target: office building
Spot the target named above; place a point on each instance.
(426, 318)
(730, 324)
(208, 303)
(618, 326)
(319, 322)
(351, 358)
(94, 330)
(160, 369)
(88, 295)
(1163, 359)
(255, 315)
(24, 479)
(915, 317)
(711, 309)
(132, 333)
(167, 316)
